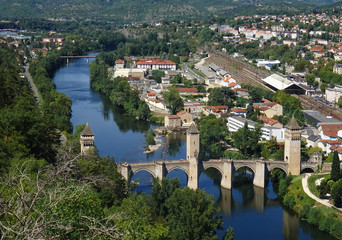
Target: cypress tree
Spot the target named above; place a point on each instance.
(335, 168)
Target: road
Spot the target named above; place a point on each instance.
(310, 194)
(190, 72)
(33, 86)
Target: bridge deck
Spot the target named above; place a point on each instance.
(77, 56)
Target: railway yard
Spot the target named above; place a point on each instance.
(245, 73)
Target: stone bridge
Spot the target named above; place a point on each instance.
(194, 168)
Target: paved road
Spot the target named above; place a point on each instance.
(310, 194)
(33, 86)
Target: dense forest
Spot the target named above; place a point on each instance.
(147, 10)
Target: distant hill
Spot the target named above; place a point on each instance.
(127, 11)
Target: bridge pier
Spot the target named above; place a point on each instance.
(226, 181)
(125, 171)
(193, 173)
(160, 170)
(259, 176)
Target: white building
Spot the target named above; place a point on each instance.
(235, 123)
(157, 64)
(333, 94)
(265, 63)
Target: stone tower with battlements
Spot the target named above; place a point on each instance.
(192, 142)
(292, 146)
(192, 151)
(87, 139)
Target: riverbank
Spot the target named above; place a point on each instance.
(325, 218)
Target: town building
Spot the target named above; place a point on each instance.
(337, 68)
(236, 122)
(172, 121)
(156, 64)
(333, 94)
(119, 64)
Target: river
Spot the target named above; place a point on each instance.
(254, 213)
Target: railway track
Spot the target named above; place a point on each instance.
(248, 74)
(317, 105)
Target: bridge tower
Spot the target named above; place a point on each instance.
(192, 151)
(292, 146)
(86, 139)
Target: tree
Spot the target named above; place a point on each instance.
(173, 100)
(282, 188)
(229, 234)
(250, 111)
(246, 140)
(213, 132)
(191, 215)
(339, 103)
(157, 75)
(222, 96)
(335, 167)
(336, 193)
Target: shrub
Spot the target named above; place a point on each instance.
(304, 212)
(282, 188)
(336, 193)
(289, 201)
(314, 216)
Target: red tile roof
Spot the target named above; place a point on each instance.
(238, 110)
(119, 61)
(331, 129)
(151, 94)
(267, 120)
(181, 113)
(155, 62)
(187, 90)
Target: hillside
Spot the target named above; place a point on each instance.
(128, 11)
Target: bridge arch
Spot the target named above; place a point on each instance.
(178, 167)
(143, 169)
(283, 168)
(212, 166)
(307, 169)
(245, 166)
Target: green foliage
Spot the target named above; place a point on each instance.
(271, 150)
(149, 140)
(138, 221)
(213, 132)
(257, 93)
(111, 191)
(229, 234)
(222, 96)
(336, 193)
(304, 212)
(191, 215)
(157, 75)
(323, 188)
(289, 201)
(246, 140)
(314, 216)
(173, 100)
(118, 90)
(339, 102)
(335, 167)
(282, 188)
(160, 192)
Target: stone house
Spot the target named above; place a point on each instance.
(172, 121)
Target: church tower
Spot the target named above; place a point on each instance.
(86, 139)
(292, 146)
